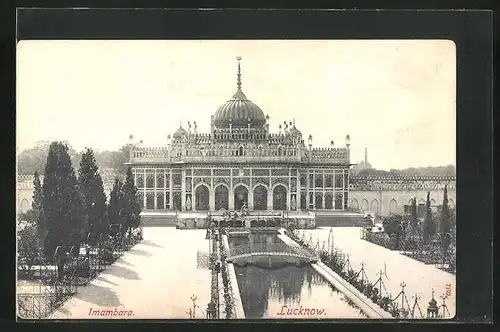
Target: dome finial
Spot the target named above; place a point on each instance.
(238, 82)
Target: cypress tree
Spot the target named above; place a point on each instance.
(62, 203)
(92, 191)
(445, 219)
(115, 206)
(429, 228)
(414, 217)
(131, 207)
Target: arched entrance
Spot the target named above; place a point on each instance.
(451, 203)
(240, 197)
(202, 198)
(374, 206)
(393, 206)
(221, 198)
(24, 206)
(279, 197)
(355, 204)
(260, 198)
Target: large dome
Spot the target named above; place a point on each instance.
(239, 111)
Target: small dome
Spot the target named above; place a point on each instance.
(179, 133)
(295, 131)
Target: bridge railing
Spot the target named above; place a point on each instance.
(268, 248)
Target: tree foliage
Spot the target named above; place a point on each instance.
(28, 243)
(414, 217)
(124, 207)
(429, 225)
(37, 207)
(62, 202)
(131, 207)
(92, 191)
(34, 159)
(448, 170)
(116, 203)
(393, 224)
(445, 222)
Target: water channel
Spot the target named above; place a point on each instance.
(277, 291)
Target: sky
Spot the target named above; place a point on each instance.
(396, 98)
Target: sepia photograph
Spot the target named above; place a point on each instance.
(236, 179)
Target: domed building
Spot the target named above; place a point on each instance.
(241, 164)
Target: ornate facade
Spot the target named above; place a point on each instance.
(241, 162)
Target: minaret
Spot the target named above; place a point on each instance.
(366, 156)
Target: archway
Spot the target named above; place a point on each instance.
(24, 206)
(328, 200)
(279, 197)
(240, 197)
(393, 206)
(451, 203)
(202, 198)
(303, 201)
(221, 197)
(364, 204)
(318, 201)
(354, 204)
(260, 198)
(374, 207)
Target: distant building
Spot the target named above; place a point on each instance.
(362, 165)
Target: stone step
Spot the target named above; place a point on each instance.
(158, 220)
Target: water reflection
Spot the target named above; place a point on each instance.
(264, 291)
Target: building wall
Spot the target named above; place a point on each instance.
(382, 202)
(393, 201)
(24, 189)
(24, 193)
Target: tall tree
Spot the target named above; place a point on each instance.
(131, 207)
(445, 220)
(115, 206)
(92, 191)
(37, 207)
(62, 202)
(414, 217)
(429, 227)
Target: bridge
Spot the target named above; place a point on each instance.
(270, 250)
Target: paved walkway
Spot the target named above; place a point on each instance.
(420, 278)
(155, 279)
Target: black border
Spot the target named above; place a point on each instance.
(471, 31)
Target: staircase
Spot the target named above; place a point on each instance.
(338, 219)
(158, 219)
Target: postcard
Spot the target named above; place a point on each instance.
(236, 179)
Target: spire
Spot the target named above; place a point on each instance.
(238, 82)
(366, 155)
(239, 95)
